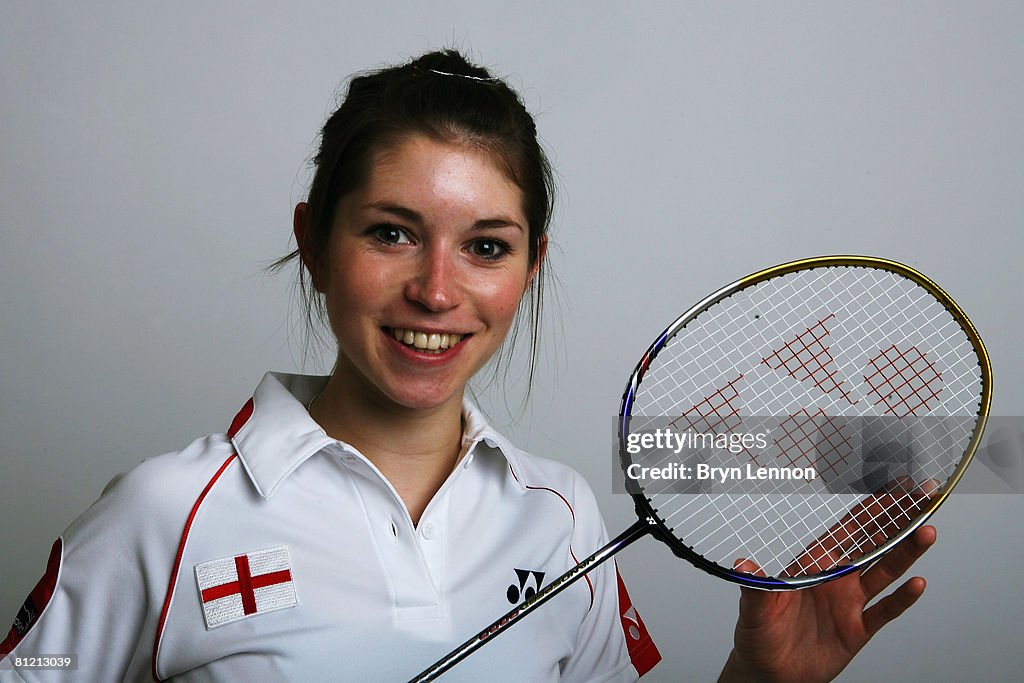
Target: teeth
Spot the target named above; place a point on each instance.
(426, 342)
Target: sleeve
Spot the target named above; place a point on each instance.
(613, 642)
(101, 595)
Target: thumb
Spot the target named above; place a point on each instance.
(756, 606)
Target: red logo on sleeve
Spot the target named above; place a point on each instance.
(35, 603)
(642, 650)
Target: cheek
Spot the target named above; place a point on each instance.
(354, 288)
(502, 299)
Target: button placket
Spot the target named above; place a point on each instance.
(402, 560)
(431, 538)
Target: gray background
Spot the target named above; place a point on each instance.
(151, 154)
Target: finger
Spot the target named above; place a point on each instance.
(755, 605)
(747, 566)
(866, 526)
(897, 562)
(890, 512)
(877, 518)
(815, 559)
(891, 606)
(888, 521)
(862, 520)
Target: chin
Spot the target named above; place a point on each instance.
(423, 400)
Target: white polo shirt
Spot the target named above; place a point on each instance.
(276, 553)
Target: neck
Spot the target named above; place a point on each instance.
(415, 449)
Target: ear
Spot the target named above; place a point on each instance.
(542, 252)
(300, 225)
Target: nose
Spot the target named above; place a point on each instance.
(435, 284)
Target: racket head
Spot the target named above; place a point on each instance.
(854, 342)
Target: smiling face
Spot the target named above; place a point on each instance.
(423, 273)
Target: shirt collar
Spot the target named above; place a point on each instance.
(273, 433)
(478, 429)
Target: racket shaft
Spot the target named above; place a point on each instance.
(640, 528)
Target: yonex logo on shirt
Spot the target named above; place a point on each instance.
(26, 616)
(524, 591)
(633, 619)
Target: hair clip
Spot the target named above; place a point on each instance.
(482, 79)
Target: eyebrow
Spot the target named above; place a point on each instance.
(413, 216)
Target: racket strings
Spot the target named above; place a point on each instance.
(813, 350)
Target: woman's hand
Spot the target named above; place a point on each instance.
(812, 634)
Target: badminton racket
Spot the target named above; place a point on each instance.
(794, 426)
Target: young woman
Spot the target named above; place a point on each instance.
(356, 527)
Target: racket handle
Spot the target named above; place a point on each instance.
(641, 528)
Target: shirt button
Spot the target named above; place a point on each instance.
(428, 531)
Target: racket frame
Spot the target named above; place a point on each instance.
(644, 508)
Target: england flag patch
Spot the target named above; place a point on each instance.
(234, 588)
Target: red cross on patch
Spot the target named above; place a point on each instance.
(234, 588)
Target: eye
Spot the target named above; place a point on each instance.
(489, 249)
(391, 234)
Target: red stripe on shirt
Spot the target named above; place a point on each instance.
(572, 512)
(241, 418)
(181, 551)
